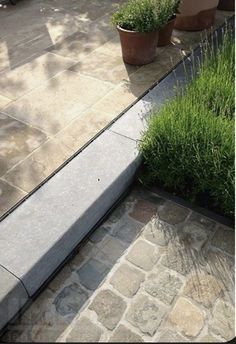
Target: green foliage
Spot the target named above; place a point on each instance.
(144, 15)
(189, 147)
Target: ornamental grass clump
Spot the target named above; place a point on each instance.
(188, 147)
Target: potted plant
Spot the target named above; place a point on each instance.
(169, 8)
(138, 22)
(194, 15)
(226, 5)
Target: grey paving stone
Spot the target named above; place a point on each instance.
(98, 234)
(109, 308)
(111, 250)
(17, 140)
(54, 237)
(179, 259)
(126, 229)
(225, 240)
(127, 280)
(92, 273)
(169, 336)
(223, 321)
(143, 210)
(202, 220)
(163, 286)
(145, 314)
(69, 301)
(124, 335)
(84, 331)
(12, 296)
(158, 232)
(21, 80)
(143, 255)
(67, 94)
(9, 196)
(195, 235)
(173, 213)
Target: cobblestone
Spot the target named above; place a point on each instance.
(109, 308)
(126, 229)
(223, 320)
(172, 213)
(70, 300)
(110, 250)
(84, 331)
(158, 232)
(196, 235)
(143, 211)
(186, 318)
(203, 288)
(92, 273)
(124, 335)
(127, 280)
(143, 255)
(171, 337)
(163, 286)
(145, 314)
(224, 239)
(178, 258)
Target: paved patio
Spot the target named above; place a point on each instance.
(62, 80)
(179, 289)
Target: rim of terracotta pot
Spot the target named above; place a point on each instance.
(134, 32)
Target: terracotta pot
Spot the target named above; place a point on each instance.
(226, 5)
(194, 15)
(166, 32)
(138, 48)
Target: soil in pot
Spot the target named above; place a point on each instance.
(195, 15)
(138, 48)
(226, 5)
(166, 32)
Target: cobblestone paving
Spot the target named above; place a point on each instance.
(154, 271)
(62, 80)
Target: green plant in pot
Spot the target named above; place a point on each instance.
(138, 22)
(168, 14)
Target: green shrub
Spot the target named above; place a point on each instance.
(189, 147)
(144, 15)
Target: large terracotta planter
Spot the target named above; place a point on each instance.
(226, 5)
(194, 15)
(166, 32)
(138, 48)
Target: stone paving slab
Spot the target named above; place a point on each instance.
(17, 141)
(37, 88)
(55, 104)
(10, 195)
(130, 298)
(22, 80)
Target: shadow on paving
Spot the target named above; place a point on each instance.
(148, 249)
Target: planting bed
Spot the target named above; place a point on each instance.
(189, 145)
